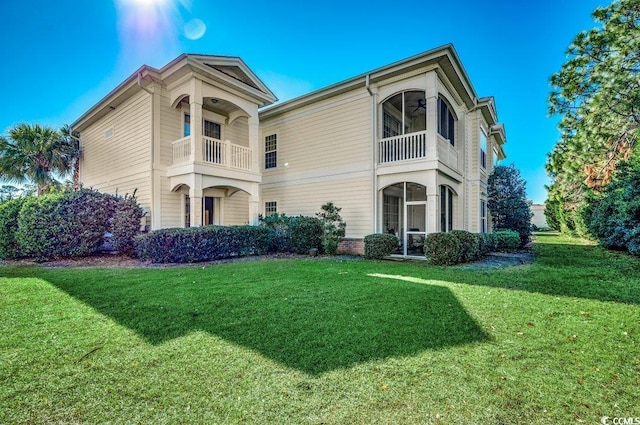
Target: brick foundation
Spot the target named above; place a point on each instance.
(351, 246)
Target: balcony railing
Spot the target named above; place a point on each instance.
(414, 146)
(214, 151)
(181, 150)
(402, 148)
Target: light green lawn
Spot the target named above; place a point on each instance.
(325, 341)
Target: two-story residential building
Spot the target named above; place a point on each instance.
(405, 149)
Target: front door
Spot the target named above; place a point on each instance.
(209, 210)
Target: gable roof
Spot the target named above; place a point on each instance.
(227, 70)
(445, 57)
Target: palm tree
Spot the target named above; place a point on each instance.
(73, 152)
(33, 153)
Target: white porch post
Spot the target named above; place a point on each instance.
(254, 204)
(195, 110)
(431, 94)
(195, 198)
(433, 199)
(254, 141)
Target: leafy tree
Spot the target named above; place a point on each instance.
(507, 201)
(597, 93)
(33, 153)
(334, 227)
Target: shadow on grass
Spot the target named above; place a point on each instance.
(314, 326)
(569, 267)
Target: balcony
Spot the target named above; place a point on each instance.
(403, 147)
(414, 146)
(214, 151)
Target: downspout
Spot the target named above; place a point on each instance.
(152, 151)
(374, 129)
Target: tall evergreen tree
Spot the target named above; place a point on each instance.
(597, 94)
(507, 201)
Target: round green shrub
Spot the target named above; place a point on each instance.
(380, 245)
(306, 233)
(39, 226)
(442, 249)
(487, 242)
(469, 246)
(507, 240)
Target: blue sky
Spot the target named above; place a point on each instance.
(60, 58)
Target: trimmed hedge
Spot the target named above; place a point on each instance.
(38, 226)
(125, 224)
(73, 224)
(9, 213)
(380, 245)
(487, 242)
(279, 223)
(469, 246)
(208, 243)
(442, 249)
(460, 246)
(507, 240)
(305, 233)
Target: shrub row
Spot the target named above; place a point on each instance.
(206, 243)
(69, 224)
(278, 233)
(460, 246)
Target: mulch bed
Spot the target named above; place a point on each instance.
(494, 260)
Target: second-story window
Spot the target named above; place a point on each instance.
(271, 151)
(187, 125)
(483, 148)
(212, 129)
(404, 113)
(446, 122)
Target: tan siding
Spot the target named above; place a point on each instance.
(170, 129)
(353, 195)
(238, 132)
(333, 134)
(324, 154)
(172, 208)
(236, 209)
(120, 163)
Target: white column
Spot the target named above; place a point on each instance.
(254, 141)
(433, 200)
(254, 204)
(195, 110)
(195, 198)
(431, 94)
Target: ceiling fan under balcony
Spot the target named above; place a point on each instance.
(422, 103)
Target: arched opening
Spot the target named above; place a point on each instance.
(404, 125)
(404, 113)
(404, 214)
